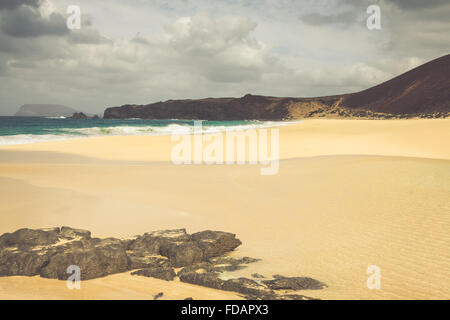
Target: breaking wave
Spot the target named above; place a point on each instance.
(99, 129)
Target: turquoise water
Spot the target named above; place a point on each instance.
(21, 130)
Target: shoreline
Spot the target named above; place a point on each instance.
(309, 138)
(141, 129)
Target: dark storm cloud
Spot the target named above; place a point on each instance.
(13, 4)
(25, 22)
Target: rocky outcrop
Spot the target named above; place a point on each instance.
(181, 248)
(23, 263)
(159, 272)
(26, 238)
(201, 258)
(96, 258)
(49, 252)
(293, 283)
(214, 244)
(79, 116)
(211, 275)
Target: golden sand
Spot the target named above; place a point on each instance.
(348, 194)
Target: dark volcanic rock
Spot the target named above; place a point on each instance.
(181, 248)
(79, 116)
(49, 253)
(96, 259)
(144, 245)
(215, 243)
(142, 262)
(176, 235)
(233, 261)
(29, 237)
(293, 283)
(295, 297)
(208, 274)
(22, 263)
(135, 262)
(211, 279)
(182, 254)
(173, 244)
(204, 279)
(159, 295)
(70, 233)
(160, 272)
(245, 286)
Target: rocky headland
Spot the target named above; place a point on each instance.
(200, 259)
(423, 92)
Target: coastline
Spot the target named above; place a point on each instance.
(309, 138)
(349, 193)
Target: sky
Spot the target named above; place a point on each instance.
(145, 51)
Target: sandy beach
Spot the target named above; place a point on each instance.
(348, 194)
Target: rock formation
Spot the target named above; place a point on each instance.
(79, 116)
(201, 258)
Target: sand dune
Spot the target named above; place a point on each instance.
(348, 194)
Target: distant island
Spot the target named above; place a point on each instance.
(45, 110)
(423, 92)
(52, 110)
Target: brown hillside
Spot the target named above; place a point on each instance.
(422, 92)
(425, 89)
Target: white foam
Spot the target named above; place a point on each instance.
(179, 129)
(32, 138)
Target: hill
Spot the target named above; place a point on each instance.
(422, 92)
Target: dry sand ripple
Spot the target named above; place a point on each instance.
(328, 217)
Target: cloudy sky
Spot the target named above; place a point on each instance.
(143, 51)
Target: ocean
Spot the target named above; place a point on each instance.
(23, 130)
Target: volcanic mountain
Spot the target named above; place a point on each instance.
(421, 92)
